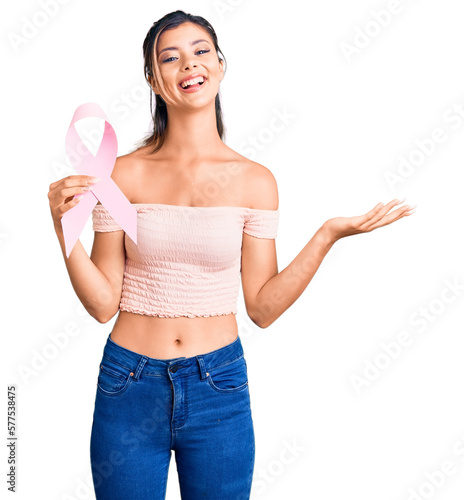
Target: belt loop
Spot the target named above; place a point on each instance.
(140, 366)
(201, 362)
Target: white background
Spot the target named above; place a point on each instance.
(317, 436)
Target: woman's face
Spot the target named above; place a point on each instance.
(182, 53)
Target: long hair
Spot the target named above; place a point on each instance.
(159, 116)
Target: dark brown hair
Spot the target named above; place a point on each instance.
(160, 116)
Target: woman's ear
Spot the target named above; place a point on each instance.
(152, 84)
(221, 69)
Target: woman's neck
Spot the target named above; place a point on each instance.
(192, 133)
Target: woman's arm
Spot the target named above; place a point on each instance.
(97, 280)
(266, 303)
(282, 290)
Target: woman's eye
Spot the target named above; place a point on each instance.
(197, 52)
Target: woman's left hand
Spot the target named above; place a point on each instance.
(340, 227)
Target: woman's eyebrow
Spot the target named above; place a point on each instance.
(176, 48)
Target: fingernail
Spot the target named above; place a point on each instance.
(411, 207)
(95, 179)
(401, 201)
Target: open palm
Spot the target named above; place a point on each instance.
(379, 216)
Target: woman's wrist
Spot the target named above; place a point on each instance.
(327, 234)
(58, 229)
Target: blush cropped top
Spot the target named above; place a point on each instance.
(187, 260)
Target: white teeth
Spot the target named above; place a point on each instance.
(192, 81)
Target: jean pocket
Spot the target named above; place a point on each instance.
(230, 377)
(113, 378)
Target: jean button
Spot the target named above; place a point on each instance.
(174, 369)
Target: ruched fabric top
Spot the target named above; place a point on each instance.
(187, 260)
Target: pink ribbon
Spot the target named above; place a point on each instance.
(106, 191)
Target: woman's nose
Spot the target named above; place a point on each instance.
(189, 64)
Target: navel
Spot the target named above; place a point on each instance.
(178, 342)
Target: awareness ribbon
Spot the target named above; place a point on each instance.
(106, 191)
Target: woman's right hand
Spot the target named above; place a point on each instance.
(62, 193)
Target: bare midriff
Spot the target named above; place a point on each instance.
(166, 338)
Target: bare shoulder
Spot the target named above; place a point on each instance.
(260, 185)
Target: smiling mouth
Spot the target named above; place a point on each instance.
(199, 84)
(193, 83)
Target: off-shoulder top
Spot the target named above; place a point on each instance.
(187, 260)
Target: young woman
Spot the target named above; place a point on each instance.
(173, 374)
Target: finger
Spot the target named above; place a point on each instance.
(380, 214)
(77, 180)
(391, 217)
(67, 192)
(411, 209)
(69, 186)
(69, 204)
(367, 217)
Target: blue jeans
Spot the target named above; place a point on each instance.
(197, 406)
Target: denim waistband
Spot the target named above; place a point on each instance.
(173, 367)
